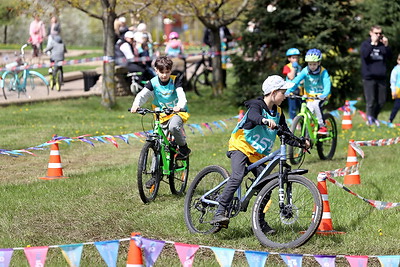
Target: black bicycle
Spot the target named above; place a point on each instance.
(200, 81)
(288, 206)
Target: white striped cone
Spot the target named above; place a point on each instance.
(54, 170)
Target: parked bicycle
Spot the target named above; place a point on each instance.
(200, 81)
(158, 160)
(136, 84)
(306, 124)
(286, 201)
(56, 77)
(15, 82)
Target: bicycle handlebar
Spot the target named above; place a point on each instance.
(304, 97)
(291, 136)
(144, 111)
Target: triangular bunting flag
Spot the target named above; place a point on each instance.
(357, 261)
(224, 256)
(36, 255)
(5, 256)
(292, 260)
(389, 261)
(325, 260)
(108, 251)
(186, 253)
(72, 253)
(256, 258)
(152, 249)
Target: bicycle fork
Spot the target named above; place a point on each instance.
(285, 208)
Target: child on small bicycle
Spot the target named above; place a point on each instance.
(168, 93)
(253, 138)
(317, 83)
(291, 70)
(58, 50)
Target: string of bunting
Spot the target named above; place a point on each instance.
(107, 59)
(220, 124)
(152, 249)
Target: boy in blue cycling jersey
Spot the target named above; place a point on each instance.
(168, 93)
(253, 139)
(317, 83)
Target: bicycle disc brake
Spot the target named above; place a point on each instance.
(289, 214)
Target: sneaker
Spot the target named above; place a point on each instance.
(220, 218)
(184, 152)
(50, 70)
(370, 120)
(150, 183)
(322, 130)
(267, 229)
(377, 123)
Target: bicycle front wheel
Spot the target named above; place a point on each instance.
(295, 223)
(179, 175)
(326, 146)
(148, 173)
(202, 83)
(198, 213)
(37, 83)
(296, 154)
(9, 85)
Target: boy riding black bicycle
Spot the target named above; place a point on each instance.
(168, 93)
(253, 139)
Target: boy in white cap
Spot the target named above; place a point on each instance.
(253, 138)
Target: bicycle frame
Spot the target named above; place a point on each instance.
(311, 124)
(163, 144)
(275, 158)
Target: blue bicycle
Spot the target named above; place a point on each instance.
(288, 206)
(15, 82)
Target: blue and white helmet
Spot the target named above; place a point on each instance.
(292, 52)
(313, 55)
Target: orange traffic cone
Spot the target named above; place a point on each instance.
(325, 227)
(241, 114)
(346, 120)
(54, 168)
(353, 178)
(134, 253)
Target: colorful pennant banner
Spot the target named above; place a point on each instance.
(152, 249)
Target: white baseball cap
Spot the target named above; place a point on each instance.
(129, 34)
(275, 82)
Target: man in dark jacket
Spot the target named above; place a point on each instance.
(375, 53)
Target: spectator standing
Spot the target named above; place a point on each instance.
(53, 30)
(375, 52)
(291, 70)
(37, 33)
(120, 28)
(174, 47)
(395, 88)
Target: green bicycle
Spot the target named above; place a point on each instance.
(306, 124)
(15, 82)
(158, 160)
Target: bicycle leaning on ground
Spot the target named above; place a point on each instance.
(15, 82)
(288, 206)
(158, 159)
(200, 81)
(56, 77)
(306, 124)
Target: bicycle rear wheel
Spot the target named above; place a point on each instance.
(179, 176)
(59, 79)
(202, 83)
(37, 83)
(198, 214)
(327, 146)
(296, 154)
(9, 85)
(297, 222)
(148, 173)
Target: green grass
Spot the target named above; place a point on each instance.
(99, 201)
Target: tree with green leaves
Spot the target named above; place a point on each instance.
(213, 15)
(329, 25)
(9, 10)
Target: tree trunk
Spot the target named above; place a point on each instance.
(5, 35)
(108, 86)
(217, 81)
